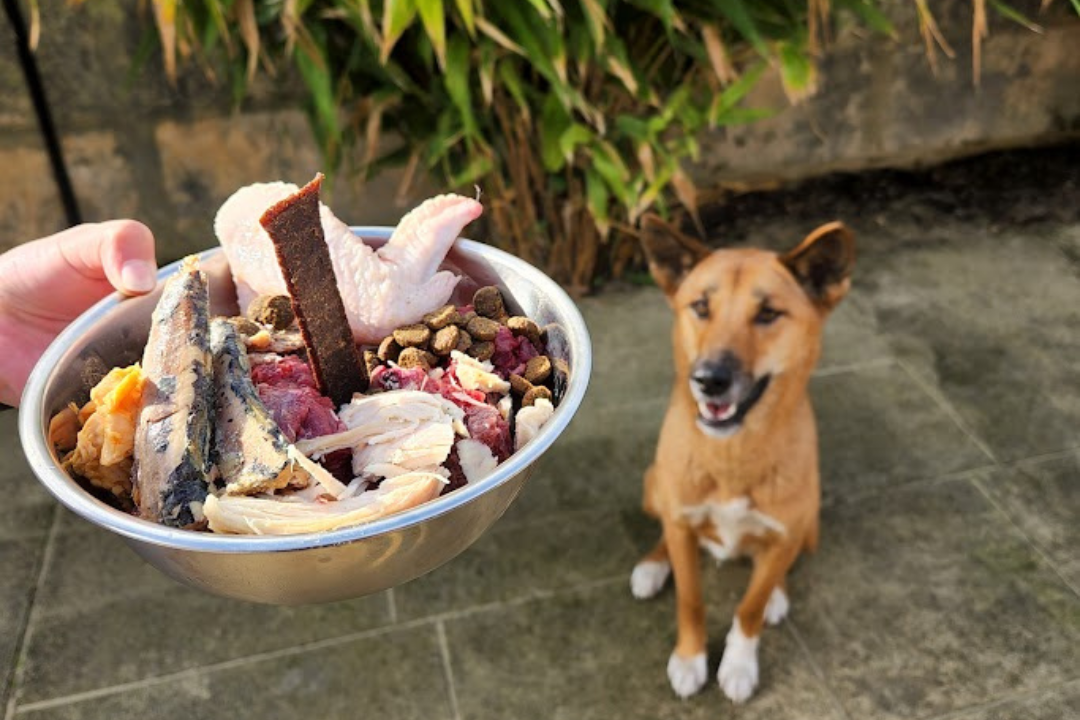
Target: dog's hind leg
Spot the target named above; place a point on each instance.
(651, 572)
(738, 673)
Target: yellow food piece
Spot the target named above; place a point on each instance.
(103, 454)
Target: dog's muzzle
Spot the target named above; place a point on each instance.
(724, 394)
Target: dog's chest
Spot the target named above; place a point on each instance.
(724, 525)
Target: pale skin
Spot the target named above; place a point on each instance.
(47, 283)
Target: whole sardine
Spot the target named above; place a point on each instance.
(173, 434)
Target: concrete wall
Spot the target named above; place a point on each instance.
(136, 147)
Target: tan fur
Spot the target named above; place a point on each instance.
(773, 458)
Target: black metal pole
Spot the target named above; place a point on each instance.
(44, 117)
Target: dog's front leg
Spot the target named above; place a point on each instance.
(687, 667)
(738, 673)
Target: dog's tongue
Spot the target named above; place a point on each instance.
(721, 411)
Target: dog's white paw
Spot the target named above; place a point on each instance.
(687, 675)
(777, 607)
(738, 673)
(649, 577)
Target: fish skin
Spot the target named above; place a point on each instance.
(251, 452)
(381, 290)
(173, 434)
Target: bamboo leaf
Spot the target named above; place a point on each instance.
(738, 14)
(313, 72)
(596, 18)
(165, 19)
(618, 64)
(249, 33)
(508, 75)
(663, 9)
(797, 73)
(468, 16)
(486, 70)
(1016, 16)
(499, 36)
(576, 134)
(734, 93)
(718, 55)
(457, 82)
(398, 15)
(477, 168)
(868, 13)
(542, 8)
(433, 18)
(554, 121)
(597, 200)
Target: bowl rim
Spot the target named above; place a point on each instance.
(33, 432)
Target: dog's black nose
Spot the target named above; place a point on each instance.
(715, 377)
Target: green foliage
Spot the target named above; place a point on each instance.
(573, 116)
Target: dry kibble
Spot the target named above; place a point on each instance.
(446, 340)
(444, 316)
(389, 349)
(416, 357)
(482, 350)
(372, 361)
(535, 394)
(273, 310)
(519, 385)
(465, 318)
(560, 378)
(464, 341)
(538, 370)
(413, 336)
(488, 302)
(245, 326)
(525, 326)
(482, 328)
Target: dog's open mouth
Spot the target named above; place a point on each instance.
(726, 416)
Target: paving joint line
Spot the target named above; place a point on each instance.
(952, 412)
(308, 647)
(22, 649)
(448, 669)
(844, 368)
(1037, 547)
(961, 713)
(391, 606)
(815, 668)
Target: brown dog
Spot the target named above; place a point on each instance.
(736, 468)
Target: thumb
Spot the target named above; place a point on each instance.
(120, 250)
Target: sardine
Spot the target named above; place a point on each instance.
(173, 434)
(251, 452)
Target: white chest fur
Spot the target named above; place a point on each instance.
(732, 521)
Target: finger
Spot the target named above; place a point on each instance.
(121, 251)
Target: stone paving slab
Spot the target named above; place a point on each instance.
(1043, 498)
(925, 600)
(19, 563)
(598, 654)
(27, 508)
(104, 617)
(398, 674)
(1056, 704)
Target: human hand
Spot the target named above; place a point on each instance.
(47, 283)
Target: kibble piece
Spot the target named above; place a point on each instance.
(414, 357)
(273, 310)
(446, 340)
(519, 385)
(413, 336)
(535, 394)
(389, 349)
(464, 341)
(446, 315)
(482, 328)
(245, 326)
(371, 361)
(482, 350)
(538, 370)
(488, 302)
(525, 326)
(560, 374)
(465, 318)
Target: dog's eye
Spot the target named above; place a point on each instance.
(767, 315)
(701, 307)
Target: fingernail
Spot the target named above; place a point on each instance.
(138, 276)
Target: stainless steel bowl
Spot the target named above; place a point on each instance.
(314, 567)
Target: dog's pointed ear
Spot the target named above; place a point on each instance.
(671, 254)
(822, 263)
